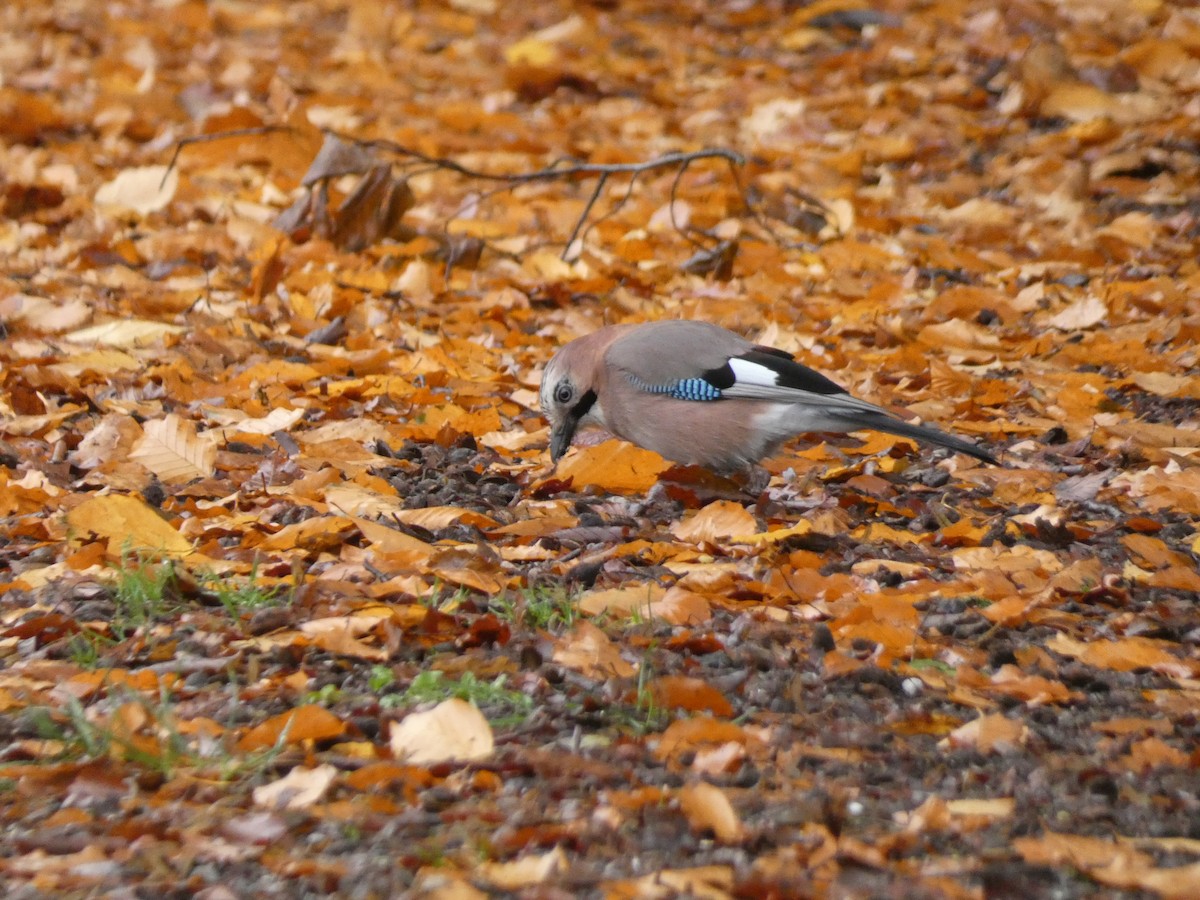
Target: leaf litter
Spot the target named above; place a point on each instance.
(291, 600)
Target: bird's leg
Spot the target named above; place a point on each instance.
(753, 481)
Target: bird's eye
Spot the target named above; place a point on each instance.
(563, 393)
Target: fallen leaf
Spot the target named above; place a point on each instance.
(589, 651)
(707, 808)
(691, 694)
(453, 731)
(719, 519)
(304, 723)
(172, 450)
(128, 524)
(612, 466)
(988, 734)
(298, 789)
(525, 871)
(143, 190)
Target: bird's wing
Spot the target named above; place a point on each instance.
(663, 353)
(762, 373)
(702, 362)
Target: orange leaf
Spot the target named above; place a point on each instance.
(1053, 849)
(310, 722)
(1152, 753)
(707, 808)
(612, 466)
(721, 519)
(991, 733)
(692, 694)
(588, 650)
(1125, 655)
(129, 524)
(620, 601)
(697, 732)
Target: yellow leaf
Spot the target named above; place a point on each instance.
(129, 524)
(531, 52)
(766, 538)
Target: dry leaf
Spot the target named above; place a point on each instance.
(988, 734)
(612, 466)
(129, 525)
(453, 731)
(589, 651)
(525, 871)
(707, 808)
(298, 789)
(304, 723)
(719, 520)
(143, 190)
(171, 449)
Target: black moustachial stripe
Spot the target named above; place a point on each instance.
(584, 406)
(791, 374)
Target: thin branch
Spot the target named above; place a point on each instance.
(561, 168)
(571, 165)
(218, 136)
(600, 182)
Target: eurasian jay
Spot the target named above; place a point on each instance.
(698, 394)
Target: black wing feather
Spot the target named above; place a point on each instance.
(791, 374)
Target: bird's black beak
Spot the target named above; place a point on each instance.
(560, 437)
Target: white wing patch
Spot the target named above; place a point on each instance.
(746, 372)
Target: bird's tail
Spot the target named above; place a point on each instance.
(924, 433)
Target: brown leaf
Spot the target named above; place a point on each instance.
(719, 520)
(989, 734)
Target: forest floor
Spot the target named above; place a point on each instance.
(293, 602)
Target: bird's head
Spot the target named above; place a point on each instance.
(568, 394)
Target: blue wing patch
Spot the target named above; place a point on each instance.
(684, 389)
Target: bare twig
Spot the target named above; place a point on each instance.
(217, 136)
(560, 169)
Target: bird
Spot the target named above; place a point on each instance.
(699, 394)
